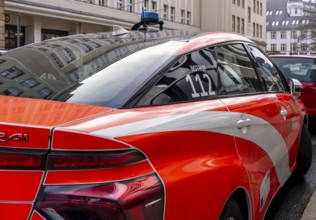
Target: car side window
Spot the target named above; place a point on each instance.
(236, 72)
(267, 71)
(192, 77)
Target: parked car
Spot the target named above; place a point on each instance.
(146, 125)
(303, 68)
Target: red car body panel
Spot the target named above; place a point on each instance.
(36, 216)
(266, 107)
(308, 97)
(15, 110)
(15, 211)
(218, 158)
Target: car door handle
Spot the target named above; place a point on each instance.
(283, 113)
(242, 123)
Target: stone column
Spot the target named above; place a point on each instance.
(2, 25)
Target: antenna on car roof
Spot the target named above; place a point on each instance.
(148, 18)
(118, 30)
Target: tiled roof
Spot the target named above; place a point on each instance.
(279, 19)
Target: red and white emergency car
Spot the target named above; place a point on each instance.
(146, 126)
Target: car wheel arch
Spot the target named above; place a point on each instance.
(242, 197)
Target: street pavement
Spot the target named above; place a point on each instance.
(310, 211)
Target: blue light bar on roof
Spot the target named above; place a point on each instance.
(150, 17)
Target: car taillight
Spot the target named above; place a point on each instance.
(141, 198)
(29, 160)
(41, 160)
(88, 160)
(138, 199)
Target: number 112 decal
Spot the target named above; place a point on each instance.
(198, 79)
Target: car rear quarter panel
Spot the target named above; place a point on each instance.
(191, 147)
(199, 169)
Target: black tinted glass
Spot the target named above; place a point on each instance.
(267, 71)
(192, 77)
(302, 69)
(236, 71)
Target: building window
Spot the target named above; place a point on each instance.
(293, 35)
(273, 35)
(249, 15)
(261, 13)
(238, 24)
(257, 8)
(234, 1)
(172, 15)
(304, 47)
(283, 47)
(238, 2)
(165, 12)
(50, 34)
(130, 6)
(182, 16)
(243, 3)
(257, 30)
(260, 31)
(253, 29)
(293, 47)
(11, 37)
(119, 4)
(242, 26)
(188, 18)
(273, 47)
(254, 6)
(103, 3)
(295, 10)
(233, 23)
(154, 6)
(303, 34)
(283, 35)
(145, 4)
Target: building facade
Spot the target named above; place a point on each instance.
(288, 29)
(245, 17)
(28, 21)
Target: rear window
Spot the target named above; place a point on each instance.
(95, 69)
(302, 69)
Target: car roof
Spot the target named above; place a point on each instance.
(209, 39)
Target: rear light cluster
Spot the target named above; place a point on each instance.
(137, 199)
(62, 161)
(141, 198)
(37, 160)
(27, 160)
